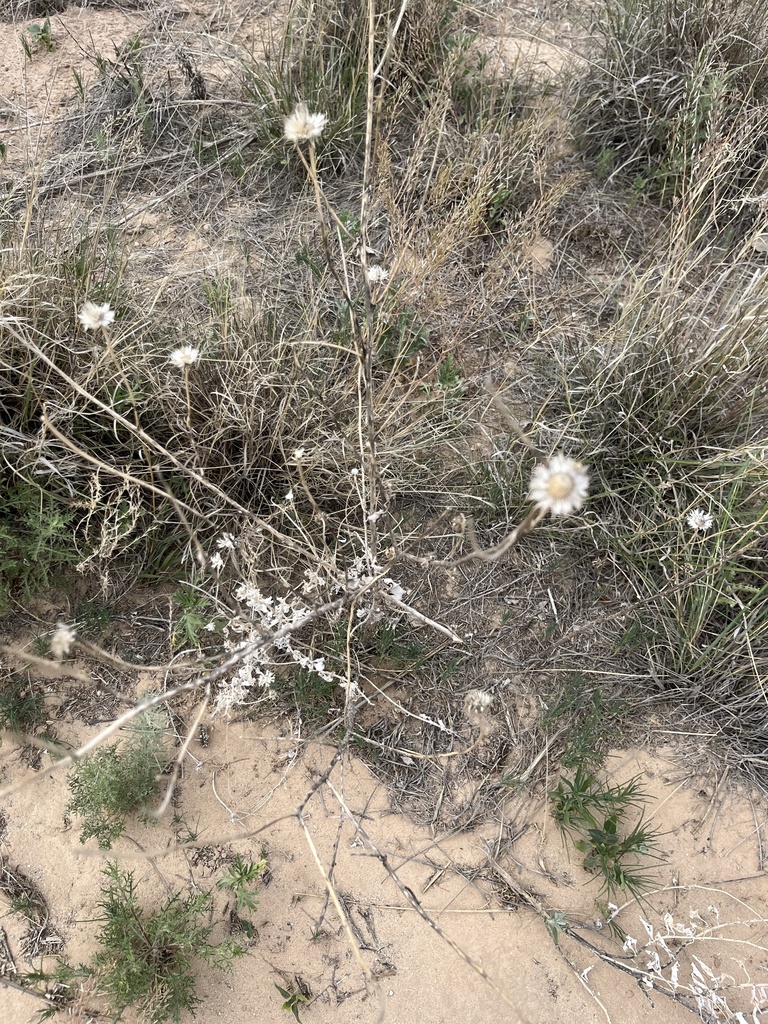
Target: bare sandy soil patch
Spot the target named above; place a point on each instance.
(425, 914)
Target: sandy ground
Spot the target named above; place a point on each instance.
(476, 953)
(34, 93)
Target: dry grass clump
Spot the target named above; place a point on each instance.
(275, 432)
(672, 399)
(145, 444)
(324, 53)
(675, 87)
(301, 423)
(112, 413)
(23, 10)
(18, 10)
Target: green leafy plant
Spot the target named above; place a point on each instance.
(118, 780)
(22, 707)
(394, 644)
(594, 816)
(557, 924)
(185, 833)
(238, 877)
(59, 987)
(449, 377)
(314, 696)
(35, 539)
(292, 1001)
(40, 35)
(146, 960)
(589, 717)
(401, 336)
(94, 617)
(194, 614)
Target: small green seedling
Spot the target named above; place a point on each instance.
(119, 780)
(58, 987)
(194, 612)
(594, 816)
(449, 377)
(237, 878)
(40, 36)
(292, 1000)
(22, 706)
(556, 924)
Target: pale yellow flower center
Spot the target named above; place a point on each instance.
(559, 485)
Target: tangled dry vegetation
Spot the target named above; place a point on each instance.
(389, 385)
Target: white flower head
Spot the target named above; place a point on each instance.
(301, 126)
(216, 561)
(394, 589)
(700, 521)
(92, 316)
(62, 640)
(184, 356)
(477, 702)
(559, 486)
(377, 274)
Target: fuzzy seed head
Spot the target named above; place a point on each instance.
(377, 274)
(93, 316)
(184, 356)
(301, 126)
(559, 486)
(62, 640)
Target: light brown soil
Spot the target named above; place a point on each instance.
(386, 959)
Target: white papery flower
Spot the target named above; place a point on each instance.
(92, 316)
(478, 701)
(700, 521)
(254, 598)
(313, 581)
(301, 126)
(62, 640)
(216, 561)
(394, 588)
(559, 486)
(377, 274)
(184, 356)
